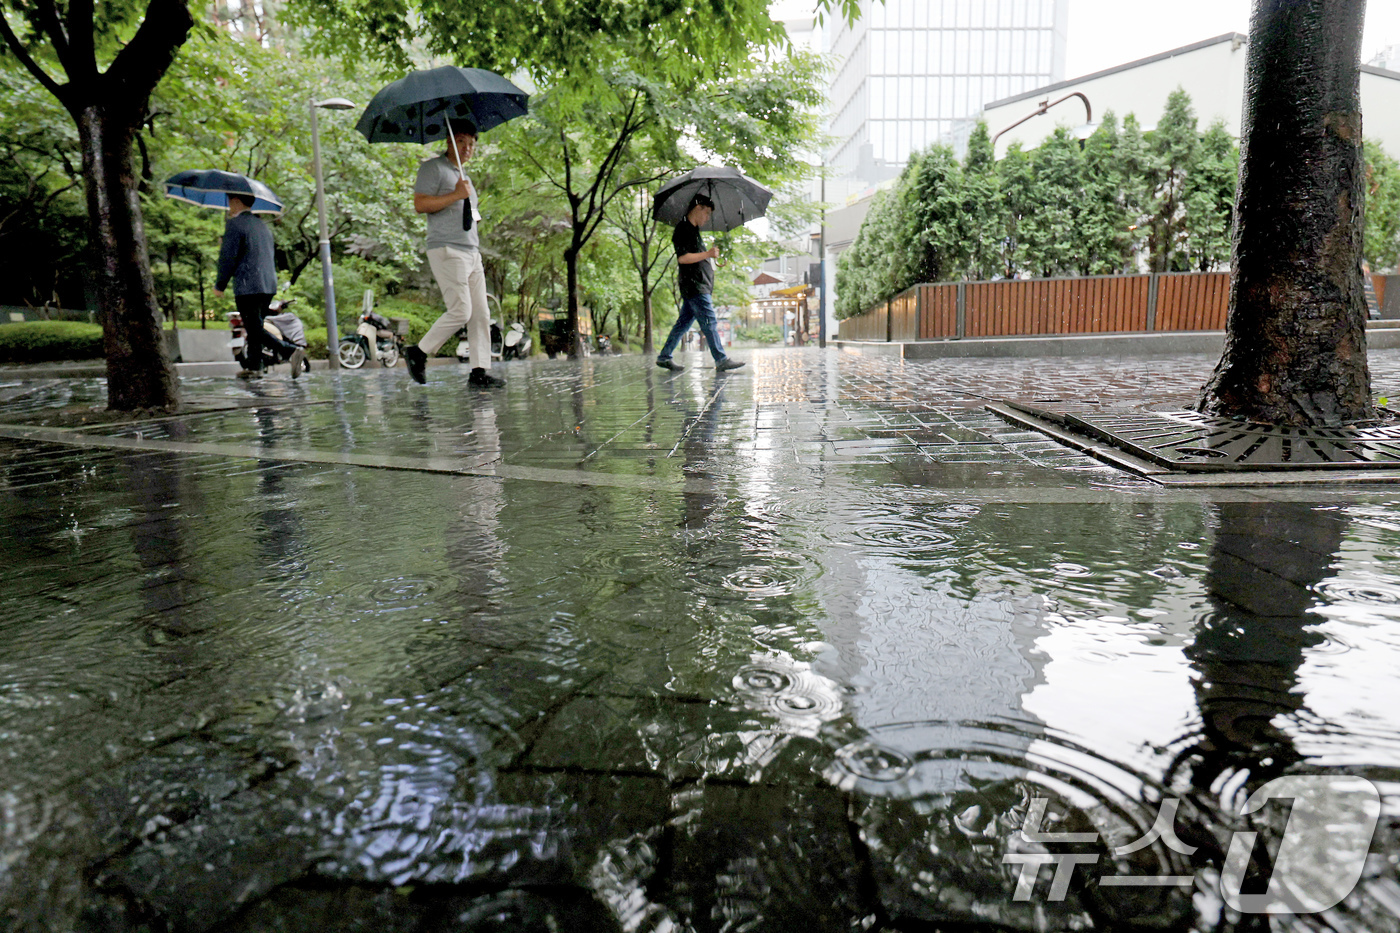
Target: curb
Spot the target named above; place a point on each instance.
(1380, 335)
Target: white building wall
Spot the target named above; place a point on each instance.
(1380, 108)
(1212, 72)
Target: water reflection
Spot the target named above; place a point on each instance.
(279, 531)
(475, 548)
(161, 502)
(1266, 558)
(794, 693)
(697, 447)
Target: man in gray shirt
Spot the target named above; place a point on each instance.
(454, 253)
(246, 256)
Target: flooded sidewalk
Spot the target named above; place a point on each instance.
(820, 644)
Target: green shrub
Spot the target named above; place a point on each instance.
(315, 342)
(211, 324)
(43, 341)
(761, 333)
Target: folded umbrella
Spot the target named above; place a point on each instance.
(211, 188)
(737, 197)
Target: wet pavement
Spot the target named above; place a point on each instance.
(816, 645)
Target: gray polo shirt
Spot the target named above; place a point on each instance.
(437, 177)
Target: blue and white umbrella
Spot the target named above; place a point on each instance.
(211, 188)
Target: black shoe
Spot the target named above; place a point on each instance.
(673, 367)
(417, 364)
(484, 379)
(727, 364)
(250, 374)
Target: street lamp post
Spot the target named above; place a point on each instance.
(1045, 105)
(332, 331)
(821, 266)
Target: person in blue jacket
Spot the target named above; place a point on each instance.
(246, 257)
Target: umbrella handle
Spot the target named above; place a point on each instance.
(452, 137)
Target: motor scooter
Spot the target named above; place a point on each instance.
(516, 345)
(283, 336)
(497, 345)
(464, 346)
(375, 337)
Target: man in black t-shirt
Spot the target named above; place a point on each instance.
(697, 280)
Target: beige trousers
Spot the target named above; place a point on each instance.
(462, 279)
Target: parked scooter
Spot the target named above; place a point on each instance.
(283, 336)
(605, 347)
(516, 345)
(497, 345)
(464, 347)
(376, 337)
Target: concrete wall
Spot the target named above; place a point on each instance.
(188, 345)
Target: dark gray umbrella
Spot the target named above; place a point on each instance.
(419, 107)
(211, 188)
(738, 198)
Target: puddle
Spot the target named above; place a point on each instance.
(721, 687)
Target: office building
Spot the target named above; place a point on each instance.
(910, 73)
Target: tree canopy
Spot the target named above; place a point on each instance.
(236, 97)
(553, 41)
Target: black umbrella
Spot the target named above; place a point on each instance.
(419, 108)
(211, 188)
(737, 197)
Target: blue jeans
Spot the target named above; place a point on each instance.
(697, 309)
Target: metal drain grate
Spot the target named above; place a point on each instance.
(1193, 442)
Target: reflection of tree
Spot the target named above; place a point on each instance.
(1248, 650)
(160, 537)
(279, 532)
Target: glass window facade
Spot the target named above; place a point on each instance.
(913, 72)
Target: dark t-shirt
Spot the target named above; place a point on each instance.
(695, 278)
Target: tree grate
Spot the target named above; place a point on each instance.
(1192, 442)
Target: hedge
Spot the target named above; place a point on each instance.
(46, 341)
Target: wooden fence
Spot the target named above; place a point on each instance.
(1101, 304)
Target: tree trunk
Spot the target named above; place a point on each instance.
(648, 342)
(139, 371)
(571, 284)
(1295, 345)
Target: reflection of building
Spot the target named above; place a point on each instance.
(910, 72)
(1212, 72)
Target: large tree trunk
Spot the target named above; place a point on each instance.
(139, 371)
(1295, 346)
